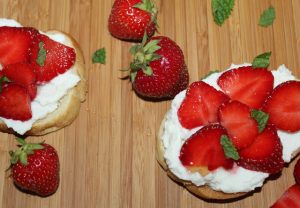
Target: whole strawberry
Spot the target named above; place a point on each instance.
(35, 168)
(297, 172)
(158, 69)
(129, 19)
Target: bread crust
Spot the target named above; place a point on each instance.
(204, 192)
(69, 106)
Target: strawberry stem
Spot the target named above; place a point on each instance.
(143, 54)
(24, 150)
(148, 6)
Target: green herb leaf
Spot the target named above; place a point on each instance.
(261, 118)
(267, 17)
(221, 10)
(2, 80)
(41, 55)
(262, 60)
(99, 56)
(210, 73)
(229, 149)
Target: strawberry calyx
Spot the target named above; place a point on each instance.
(143, 54)
(23, 151)
(148, 6)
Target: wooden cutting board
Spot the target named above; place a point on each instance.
(108, 154)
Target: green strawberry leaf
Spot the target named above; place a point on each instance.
(221, 10)
(148, 71)
(152, 46)
(133, 76)
(229, 149)
(41, 55)
(262, 60)
(267, 17)
(261, 118)
(134, 49)
(23, 158)
(21, 141)
(99, 56)
(148, 6)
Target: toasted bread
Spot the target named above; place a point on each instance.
(69, 105)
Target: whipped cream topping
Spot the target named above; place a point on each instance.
(237, 179)
(49, 94)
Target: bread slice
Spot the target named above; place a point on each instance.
(69, 106)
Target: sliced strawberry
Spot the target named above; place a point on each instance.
(22, 74)
(203, 149)
(15, 103)
(264, 154)
(59, 58)
(200, 107)
(241, 127)
(16, 44)
(290, 198)
(283, 105)
(247, 85)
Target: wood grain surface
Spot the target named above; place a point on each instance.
(108, 154)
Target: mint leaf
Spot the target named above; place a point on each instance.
(2, 80)
(261, 118)
(99, 56)
(229, 149)
(262, 60)
(210, 73)
(267, 17)
(221, 10)
(41, 55)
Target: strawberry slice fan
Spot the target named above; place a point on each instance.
(239, 122)
(33, 61)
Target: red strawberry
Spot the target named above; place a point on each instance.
(264, 154)
(203, 149)
(283, 105)
(182, 83)
(15, 44)
(15, 103)
(22, 74)
(35, 168)
(247, 85)
(200, 107)
(158, 70)
(290, 198)
(241, 127)
(50, 58)
(129, 19)
(297, 172)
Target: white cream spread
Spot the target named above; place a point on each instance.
(49, 94)
(236, 180)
